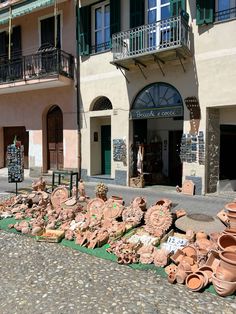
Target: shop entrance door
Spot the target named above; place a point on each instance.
(106, 149)
(55, 138)
(175, 165)
(227, 158)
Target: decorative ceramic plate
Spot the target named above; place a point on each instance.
(59, 195)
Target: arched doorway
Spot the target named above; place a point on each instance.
(157, 114)
(55, 138)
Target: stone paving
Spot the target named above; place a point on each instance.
(46, 278)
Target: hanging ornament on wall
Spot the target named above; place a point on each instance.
(195, 113)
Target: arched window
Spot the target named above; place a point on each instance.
(103, 103)
(157, 100)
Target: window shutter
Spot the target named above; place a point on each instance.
(136, 13)
(3, 47)
(205, 11)
(16, 42)
(84, 30)
(115, 16)
(176, 6)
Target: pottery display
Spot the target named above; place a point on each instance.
(195, 282)
(227, 267)
(157, 220)
(222, 287)
(59, 195)
(227, 242)
(93, 223)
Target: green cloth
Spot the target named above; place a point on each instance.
(24, 8)
(99, 252)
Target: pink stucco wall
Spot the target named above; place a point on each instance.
(29, 108)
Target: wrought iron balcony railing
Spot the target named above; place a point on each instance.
(162, 35)
(225, 14)
(43, 64)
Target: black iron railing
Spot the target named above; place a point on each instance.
(225, 14)
(43, 64)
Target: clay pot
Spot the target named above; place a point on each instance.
(140, 202)
(213, 260)
(227, 268)
(222, 287)
(231, 207)
(227, 242)
(194, 282)
(190, 235)
(172, 268)
(189, 251)
(208, 271)
(180, 276)
(201, 235)
(171, 277)
(204, 277)
(177, 256)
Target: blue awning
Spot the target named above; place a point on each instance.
(23, 8)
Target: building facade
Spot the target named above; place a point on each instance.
(116, 88)
(157, 85)
(37, 83)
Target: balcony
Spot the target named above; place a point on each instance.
(47, 68)
(163, 40)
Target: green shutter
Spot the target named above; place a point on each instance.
(176, 6)
(136, 13)
(205, 11)
(115, 16)
(84, 30)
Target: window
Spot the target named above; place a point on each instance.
(225, 9)
(101, 27)
(157, 10)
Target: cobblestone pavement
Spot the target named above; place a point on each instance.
(44, 278)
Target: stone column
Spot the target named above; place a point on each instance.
(212, 150)
(35, 152)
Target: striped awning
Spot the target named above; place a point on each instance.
(23, 8)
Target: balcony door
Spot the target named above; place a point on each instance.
(55, 138)
(157, 10)
(50, 39)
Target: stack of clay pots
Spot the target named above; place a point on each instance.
(224, 277)
(231, 214)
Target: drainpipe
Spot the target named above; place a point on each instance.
(9, 34)
(77, 69)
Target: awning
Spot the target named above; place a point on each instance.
(23, 8)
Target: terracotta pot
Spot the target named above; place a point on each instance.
(231, 207)
(201, 235)
(232, 220)
(177, 256)
(194, 282)
(223, 288)
(189, 251)
(180, 276)
(213, 260)
(208, 271)
(227, 242)
(230, 231)
(227, 268)
(171, 277)
(204, 277)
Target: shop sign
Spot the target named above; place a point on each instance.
(156, 113)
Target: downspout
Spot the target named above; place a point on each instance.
(9, 33)
(77, 69)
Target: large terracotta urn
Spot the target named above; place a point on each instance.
(227, 268)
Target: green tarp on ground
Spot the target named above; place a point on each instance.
(98, 252)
